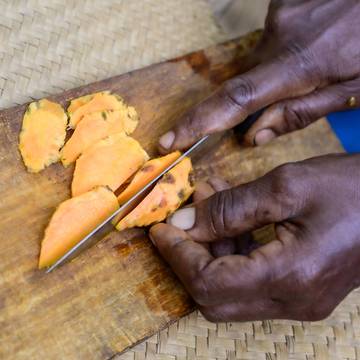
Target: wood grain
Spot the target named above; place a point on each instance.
(119, 291)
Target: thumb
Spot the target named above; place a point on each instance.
(235, 211)
(295, 114)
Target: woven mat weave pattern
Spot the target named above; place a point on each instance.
(50, 46)
(337, 337)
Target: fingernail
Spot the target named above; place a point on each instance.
(167, 139)
(262, 137)
(183, 219)
(152, 239)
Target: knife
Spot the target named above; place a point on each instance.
(106, 226)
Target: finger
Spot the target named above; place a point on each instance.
(245, 208)
(186, 257)
(222, 247)
(259, 309)
(238, 98)
(290, 115)
(203, 190)
(228, 246)
(246, 279)
(209, 280)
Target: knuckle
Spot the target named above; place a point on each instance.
(263, 214)
(222, 221)
(298, 115)
(303, 64)
(239, 92)
(283, 188)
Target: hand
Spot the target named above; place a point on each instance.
(308, 66)
(303, 274)
(240, 244)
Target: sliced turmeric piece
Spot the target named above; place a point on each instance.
(109, 162)
(42, 135)
(169, 193)
(74, 219)
(96, 126)
(98, 102)
(80, 101)
(147, 173)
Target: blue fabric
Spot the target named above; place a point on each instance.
(346, 125)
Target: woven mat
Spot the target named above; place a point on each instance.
(49, 46)
(192, 337)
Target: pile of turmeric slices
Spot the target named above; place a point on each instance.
(107, 161)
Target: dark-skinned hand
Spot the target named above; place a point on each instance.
(308, 66)
(303, 274)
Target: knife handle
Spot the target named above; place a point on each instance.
(241, 129)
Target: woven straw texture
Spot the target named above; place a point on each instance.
(337, 337)
(49, 46)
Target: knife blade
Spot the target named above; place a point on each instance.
(104, 226)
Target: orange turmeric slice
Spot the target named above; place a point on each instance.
(42, 135)
(74, 219)
(97, 102)
(96, 126)
(109, 162)
(168, 194)
(147, 173)
(80, 101)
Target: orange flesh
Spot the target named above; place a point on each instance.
(80, 101)
(42, 135)
(147, 173)
(98, 102)
(96, 126)
(167, 196)
(109, 162)
(73, 220)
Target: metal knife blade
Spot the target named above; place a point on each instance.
(106, 224)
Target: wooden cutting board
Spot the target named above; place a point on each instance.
(120, 291)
